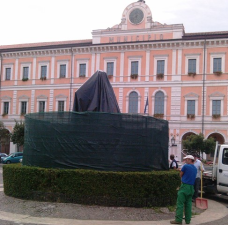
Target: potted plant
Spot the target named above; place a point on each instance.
(216, 116)
(110, 76)
(43, 78)
(4, 114)
(159, 115)
(134, 76)
(191, 74)
(160, 75)
(24, 79)
(82, 75)
(190, 116)
(218, 73)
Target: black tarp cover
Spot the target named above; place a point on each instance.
(96, 140)
(96, 95)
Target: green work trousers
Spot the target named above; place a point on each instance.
(184, 202)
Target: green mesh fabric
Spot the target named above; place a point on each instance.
(94, 140)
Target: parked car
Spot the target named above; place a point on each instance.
(3, 155)
(13, 158)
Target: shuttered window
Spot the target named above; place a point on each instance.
(192, 66)
(82, 71)
(133, 102)
(23, 107)
(60, 106)
(110, 67)
(63, 70)
(43, 71)
(216, 107)
(6, 108)
(134, 67)
(159, 103)
(160, 66)
(191, 107)
(41, 106)
(8, 73)
(217, 65)
(25, 72)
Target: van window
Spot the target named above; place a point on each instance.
(225, 156)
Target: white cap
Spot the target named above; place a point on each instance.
(189, 157)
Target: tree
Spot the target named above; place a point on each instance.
(196, 143)
(4, 133)
(17, 136)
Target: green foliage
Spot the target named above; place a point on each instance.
(17, 135)
(133, 189)
(196, 143)
(4, 133)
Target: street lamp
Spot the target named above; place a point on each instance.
(173, 141)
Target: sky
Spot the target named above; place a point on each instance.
(32, 21)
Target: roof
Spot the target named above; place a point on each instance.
(45, 44)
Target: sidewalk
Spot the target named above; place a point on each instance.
(25, 215)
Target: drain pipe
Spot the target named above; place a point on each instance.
(71, 80)
(204, 76)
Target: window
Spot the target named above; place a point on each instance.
(159, 103)
(134, 68)
(110, 67)
(192, 66)
(62, 71)
(190, 107)
(23, 107)
(25, 72)
(6, 108)
(60, 106)
(160, 67)
(8, 73)
(43, 71)
(82, 70)
(216, 107)
(217, 65)
(225, 156)
(133, 102)
(41, 106)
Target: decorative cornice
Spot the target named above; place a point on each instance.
(42, 97)
(119, 47)
(191, 95)
(217, 94)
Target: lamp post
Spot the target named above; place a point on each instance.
(173, 141)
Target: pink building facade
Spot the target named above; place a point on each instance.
(183, 75)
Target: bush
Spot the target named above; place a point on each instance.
(132, 189)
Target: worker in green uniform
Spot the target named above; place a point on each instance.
(186, 191)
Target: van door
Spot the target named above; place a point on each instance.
(222, 172)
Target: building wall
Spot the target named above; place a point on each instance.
(176, 85)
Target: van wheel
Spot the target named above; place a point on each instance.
(8, 162)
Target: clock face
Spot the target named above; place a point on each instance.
(136, 16)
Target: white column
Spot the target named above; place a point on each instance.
(98, 61)
(16, 72)
(32, 100)
(51, 100)
(175, 103)
(121, 66)
(52, 69)
(121, 99)
(34, 71)
(147, 65)
(174, 55)
(14, 102)
(93, 64)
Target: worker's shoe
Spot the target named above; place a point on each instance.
(175, 222)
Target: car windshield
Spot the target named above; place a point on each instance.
(12, 154)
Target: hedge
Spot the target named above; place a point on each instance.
(132, 189)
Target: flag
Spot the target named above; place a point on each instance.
(146, 106)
